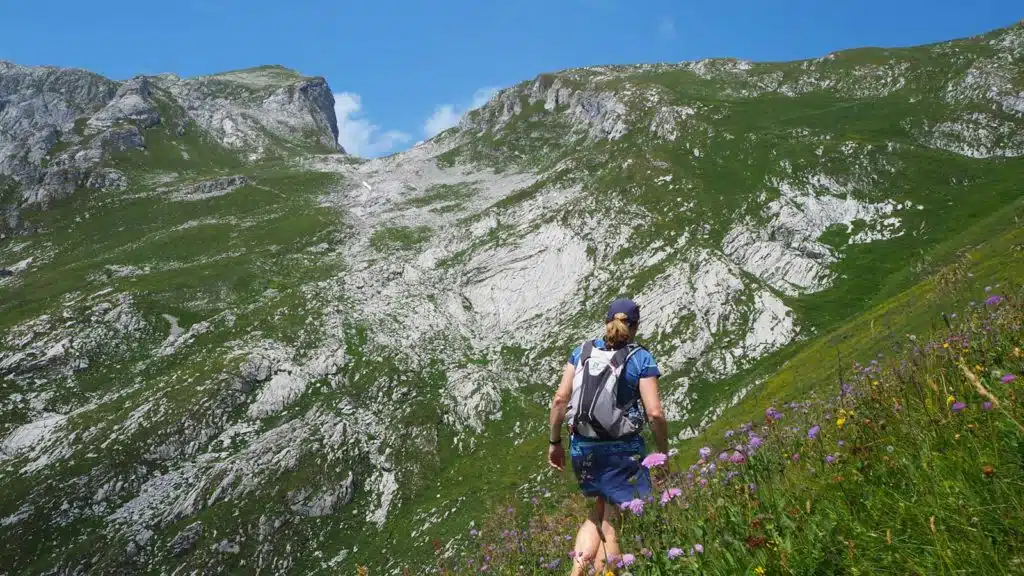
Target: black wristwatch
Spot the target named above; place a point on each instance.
(553, 442)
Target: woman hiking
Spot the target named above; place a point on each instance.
(603, 386)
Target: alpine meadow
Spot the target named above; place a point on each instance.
(229, 346)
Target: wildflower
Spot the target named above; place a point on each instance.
(958, 407)
(1007, 378)
(669, 494)
(745, 427)
(723, 456)
(752, 487)
(759, 571)
(674, 553)
(474, 532)
(754, 442)
(704, 452)
(673, 451)
(773, 414)
(841, 443)
(994, 299)
(988, 288)
(840, 421)
(830, 459)
(813, 432)
(986, 406)
(654, 459)
(627, 559)
(703, 482)
(729, 433)
(636, 506)
(796, 458)
(646, 552)
(737, 458)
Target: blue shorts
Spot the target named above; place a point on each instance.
(611, 469)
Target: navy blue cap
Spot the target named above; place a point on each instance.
(627, 307)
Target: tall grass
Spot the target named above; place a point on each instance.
(910, 465)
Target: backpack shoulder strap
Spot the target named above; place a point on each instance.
(588, 349)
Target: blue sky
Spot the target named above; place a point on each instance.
(403, 69)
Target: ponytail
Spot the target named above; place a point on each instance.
(616, 332)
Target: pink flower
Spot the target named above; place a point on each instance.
(636, 506)
(669, 494)
(628, 559)
(674, 553)
(654, 460)
(1007, 378)
(958, 407)
(737, 458)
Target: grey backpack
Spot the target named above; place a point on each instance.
(594, 411)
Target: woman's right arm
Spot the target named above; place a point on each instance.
(655, 415)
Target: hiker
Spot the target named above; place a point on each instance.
(603, 386)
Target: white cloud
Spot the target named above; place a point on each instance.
(357, 135)
(447, 115)
(667, 28)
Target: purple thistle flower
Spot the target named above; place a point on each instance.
(813, 432)
(754, 443)
(958, 407)
(705, 452)
(986, 406)
(1007, 378)
(994, 299)
(674, 553)
(773, 414)
(654, 459)
(698, 548)
(830, 459)
(628, 559)
(723, 456)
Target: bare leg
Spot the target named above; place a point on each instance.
(608, 536)
(588, 540)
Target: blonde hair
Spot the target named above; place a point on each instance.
(616, 331)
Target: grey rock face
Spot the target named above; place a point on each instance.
(186, 539)
(227, 547)
(108, 179)
(90, 117)
(211, 188)
(132, 102)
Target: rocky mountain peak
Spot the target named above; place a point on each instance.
(58, 125)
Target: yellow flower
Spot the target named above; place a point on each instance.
(874, 382)
(950, 399)
(759, 571)
(840, 421)
(977, 368)
(945, 344)
(609, 573)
